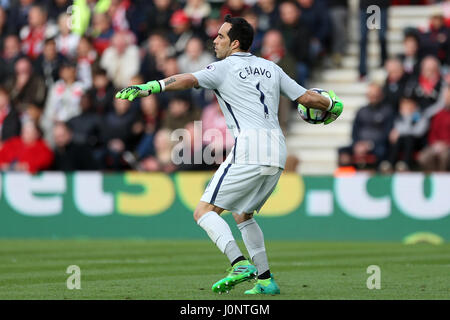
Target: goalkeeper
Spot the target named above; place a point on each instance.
(248, 90)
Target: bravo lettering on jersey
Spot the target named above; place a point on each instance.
(255, 71)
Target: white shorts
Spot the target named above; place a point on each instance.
(241, 188)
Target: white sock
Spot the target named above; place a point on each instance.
(217, 229)
(232, 251)
(253, 238)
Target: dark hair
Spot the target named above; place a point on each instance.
(99, 71)
(241, 31)
(49, 40)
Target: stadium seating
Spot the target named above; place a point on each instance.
(313, 145)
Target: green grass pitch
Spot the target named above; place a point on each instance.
(148, 269)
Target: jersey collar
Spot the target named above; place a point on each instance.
(241, 54)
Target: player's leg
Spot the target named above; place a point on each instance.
(252, 234)
(253, 238)
(208, 218)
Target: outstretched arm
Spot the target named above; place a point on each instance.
(173, 83)
(180, 82)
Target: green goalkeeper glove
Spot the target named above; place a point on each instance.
(140, 90)
(336, 108)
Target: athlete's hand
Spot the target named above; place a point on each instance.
(140, 90)
(336, 108)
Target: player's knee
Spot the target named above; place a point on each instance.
(198, 213)
(239, 218)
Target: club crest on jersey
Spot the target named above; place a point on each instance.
(255, 71)
(210, 67)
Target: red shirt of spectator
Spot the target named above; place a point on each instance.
(29, 152)
(440, 127)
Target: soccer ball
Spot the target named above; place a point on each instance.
(310, 115)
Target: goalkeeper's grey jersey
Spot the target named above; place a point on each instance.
(248, 90)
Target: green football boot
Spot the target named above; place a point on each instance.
(266, 286)
(240, 272)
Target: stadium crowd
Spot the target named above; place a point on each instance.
(406, 124)
(61, 63)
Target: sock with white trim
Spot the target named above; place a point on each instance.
(253, 238)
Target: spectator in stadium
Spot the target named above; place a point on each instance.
(296, 38)
(9, 55)
(410, 57)
(26, 86)
(314, 14)
(117, 11)
(102, 32)
(195, 155)
(394, 85)
(27, 152)
(68, 154)
(56, 8)
(406, 137)
(273, 49)
(157, 50)
(63, 101)
(36, 31)
(212, 25)
(159, 15)
(137, 18)
(235, 8)
(180, 112)
(3, 27)
(121, 59)
(85, 127)
(194, 57)
(102, 92)
(197, 11)
(338, 10)
(18, 15)
(116, 135)
(49, 62)
(66, 41)
(436, 155)
(9, 118)
(162, 161)
(436, 41)
(370, 132)
(151, 116)
(181, 31)
(364, 17)
(31, 113)
(87, 61)
(426, 87)
(258, 35)
(268, 15)
(213, 119)
(170, 68)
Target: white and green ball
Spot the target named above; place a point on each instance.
(310, 115)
